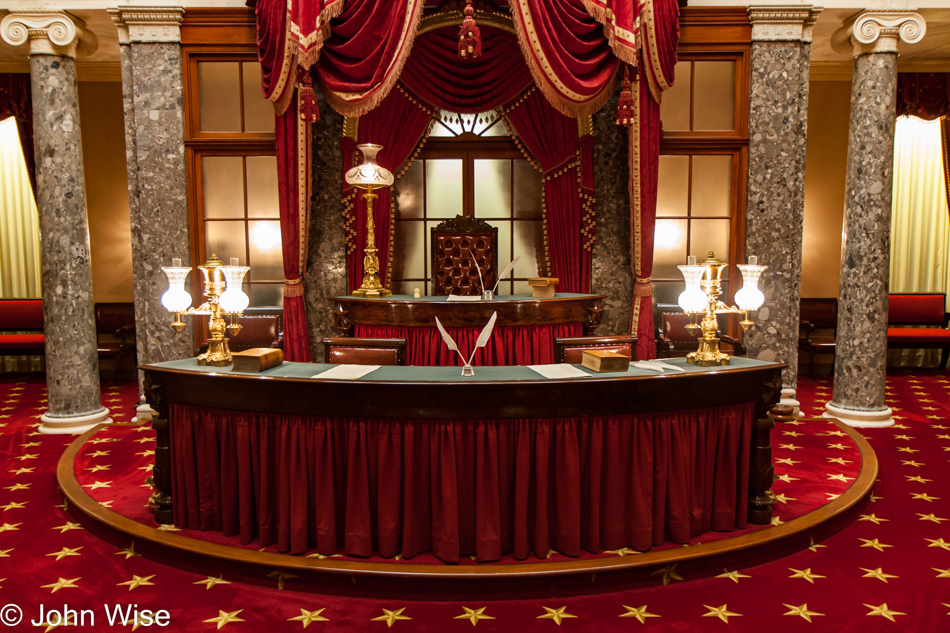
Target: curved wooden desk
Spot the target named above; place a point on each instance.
(524, 331)
(413, 459)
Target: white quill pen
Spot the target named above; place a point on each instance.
(481, 284)
(483, 336)
(449, 341)
(505, 272)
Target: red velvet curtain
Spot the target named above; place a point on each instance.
(552, 139)
(16, 100)
(518, 345)
(398, 142)
(481, 488)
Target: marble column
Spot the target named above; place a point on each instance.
(611, 274)
(778, 111)
(72, 362)
(861, 354)
(326, 252)
(153, 97)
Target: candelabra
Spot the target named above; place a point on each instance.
(368, 176)
(223, 298)
(701, 297)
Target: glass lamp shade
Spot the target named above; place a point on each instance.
(749, 297)
(693, 299)
(234, 299)
(176, 298)
(369, 174)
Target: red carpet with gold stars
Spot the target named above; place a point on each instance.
(888, 571)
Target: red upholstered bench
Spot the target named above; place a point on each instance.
(926, 315)
(21, 327)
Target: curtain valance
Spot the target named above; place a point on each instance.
(923, 95)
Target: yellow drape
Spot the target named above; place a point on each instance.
(920, 224)
(20, 275)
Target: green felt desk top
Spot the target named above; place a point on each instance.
(444, 299)
(514, 373)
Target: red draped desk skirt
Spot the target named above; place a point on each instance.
(481, 488)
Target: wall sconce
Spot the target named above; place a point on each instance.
(701, 296)
(369, 176)
(223, 297)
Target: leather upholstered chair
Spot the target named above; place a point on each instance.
(364, 351)
(260, 327)
(817, 327)
(570, 350)
(674, 340)
(453, 243)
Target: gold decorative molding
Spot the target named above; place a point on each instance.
(585, 125)
(351, 127)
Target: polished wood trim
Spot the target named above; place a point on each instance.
(765, 538)
(351, 311)
(218, 26)
(716, 26)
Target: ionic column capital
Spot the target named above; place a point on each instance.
(48, 32)
(783, 23)
(148, 24)
(879, 32)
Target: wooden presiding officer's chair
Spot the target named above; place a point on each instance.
(571, 350)
(364, 351)
(454, 242)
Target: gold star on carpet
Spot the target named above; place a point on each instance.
(473, 615)
(144, 440)
(308, 617)
(67, 527)
(791, 433)
(66, 551)
(930, 517)
(30, 456)
(14, 505)
(813, 546)
(98, 467)
(63, 505)
(734, 576)
(903, 437)
(943, 437)
(29, 444)
(781, 498)
(876, 573)
(669, 573)
(391, 617)
(556, 614)
(801, 611)
(99, 454)
(62, 583)
(640, 614)
(137, 581)
(623, 551)
(22, 471)
(923, 496)
(805, 574)
(838, 446)
(721, 612)
(938, 426)
(786, 461)
(917, 478)
(882, 610)
(281, 578)
(832, 495)
(777, 521)
(876, 520)
(839, 477)
(211, 581)
(8, 527)
(907, 449)
(128, 551)
(146, 453)
(790, 447)
(225, 618)
(167, 527)
(107, 504)
(839, 460)
(99, 484)
(786, 478)
(835, 433)
(5, 553)
(873, 543)
(913, 463)
(944, 573)
(938, 543)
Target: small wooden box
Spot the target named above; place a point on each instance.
(542, 286)
(603, 361)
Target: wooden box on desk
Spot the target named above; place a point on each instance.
(603, 360)
(542, 286)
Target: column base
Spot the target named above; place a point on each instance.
(860, 419)
(73, 424)
(143, 413)
(788, 399)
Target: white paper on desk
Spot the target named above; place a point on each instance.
(653, 365)
(463, 298)
(347, 372)
(666, 366)
(560, 370)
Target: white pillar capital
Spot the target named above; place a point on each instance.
(48, 32)
(783, 23)
(880, 31)
(148, 24)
